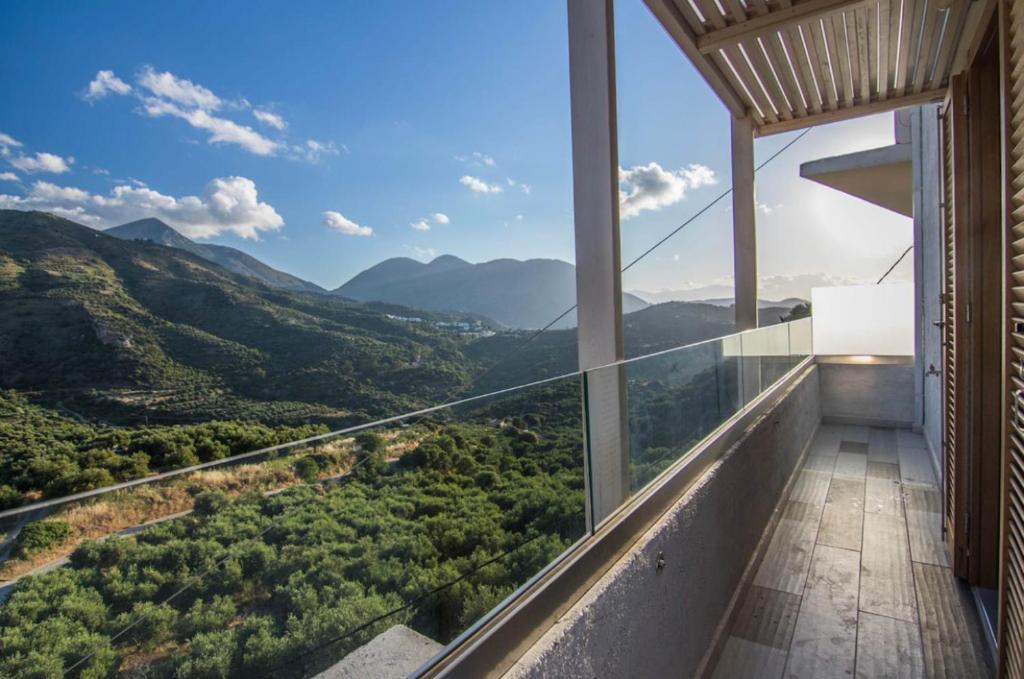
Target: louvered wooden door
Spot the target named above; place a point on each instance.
(1011, 613)
(954, 375)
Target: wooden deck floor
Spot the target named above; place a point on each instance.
(855, 581)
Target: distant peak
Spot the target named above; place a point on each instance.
(448, 260)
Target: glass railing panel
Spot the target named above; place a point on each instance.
(677, 398)
(674, 399)
(801, 339)
(428, 521)
(766, 358)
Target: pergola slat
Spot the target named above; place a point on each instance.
(692, 20)
(720, 61)
(778, 58)
(871, 13)
(769, 79)
(863, 55)
(883, 77)
(843, 54)
(906, 16)
(929, 34)
(743, 68)
(824, 68)
(795, 47)
(914, 53)
(791, 62)
(955, 17)
(895, 7)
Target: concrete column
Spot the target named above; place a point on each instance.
(598, 262)
(744, 234)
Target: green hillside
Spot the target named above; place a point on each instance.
(129, 331)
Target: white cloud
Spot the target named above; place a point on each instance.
(525, 188)
(651, 187)
(227, 204)
(105, 83)
(271, 119)
(221, 130)
(477, 159)
(313, 150)
(42, 162)
(9, 177)
(420, 225)
(183, 92)
(764, 208)
(478, 185)
(342, 224)
(441, 218)
(424, 254)
(7, 142)
(164, 94)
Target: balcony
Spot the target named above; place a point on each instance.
(810, 548)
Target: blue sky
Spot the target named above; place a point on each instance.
(294, 134)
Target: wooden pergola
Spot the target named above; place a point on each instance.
(787, 64)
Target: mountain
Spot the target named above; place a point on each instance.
(126, 330)
(718, 295)
(692, 295)
(787, 303)
(156, 231)
(518, 294)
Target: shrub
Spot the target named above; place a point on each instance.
(209, 502)
(370, 442)
(39, 536)
(9, 497)
(210, 616)
(307, 469)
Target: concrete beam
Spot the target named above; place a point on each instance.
(882, 176)
(598, 260)
(744, 233)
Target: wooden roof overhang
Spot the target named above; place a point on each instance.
(793, 63)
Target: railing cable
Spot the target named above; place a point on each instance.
(894, 265)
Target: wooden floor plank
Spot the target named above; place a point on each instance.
(856, 432)
(883, 470)
(950, 629)
(825, 639)
(916, 466)
(887, 579)
(882, 446)
(888, 648)
(854, 447)
(766, 617)
(788, 556)
(924, 525)
(883, 491)
(742, 658)
(820, 463)
(826, 440)
(810, 487)
(906, 438)
(842, 521)
(851, 465)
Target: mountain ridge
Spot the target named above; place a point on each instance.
(156, 231)
(522, 294)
